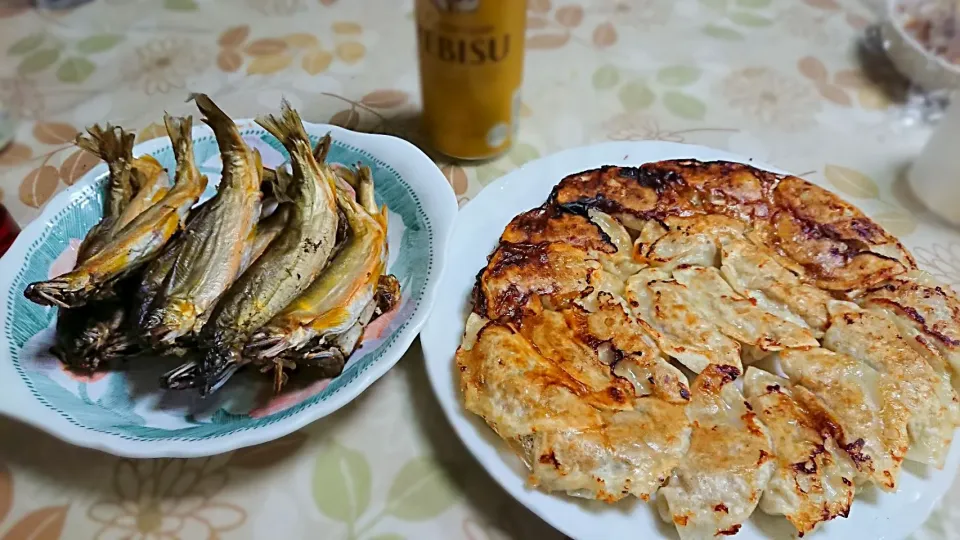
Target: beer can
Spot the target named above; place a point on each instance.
(471, 67)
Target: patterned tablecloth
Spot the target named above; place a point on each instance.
(789, 82)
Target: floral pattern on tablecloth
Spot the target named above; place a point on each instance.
(787, 82)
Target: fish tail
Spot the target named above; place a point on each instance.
(212, 114)
(179, 129)
(225, 129)
(114, 146)
(188, 177)
(288, 129)
(111, 144)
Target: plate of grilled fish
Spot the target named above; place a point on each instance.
(649, 339)
(222, 286)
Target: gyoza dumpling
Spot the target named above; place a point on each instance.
(812, 480)
(861, 401)
(737, 316)
(930, 401)
(753, 272)
(622, 261)
(518, 272)
(927, 314)
(663, 307)
(684, 241)
(578, 428)
(721, 478)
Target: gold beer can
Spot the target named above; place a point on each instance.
(471, 67)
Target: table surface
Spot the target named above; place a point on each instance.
(783, 81)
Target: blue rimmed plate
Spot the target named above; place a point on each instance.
(125, 412)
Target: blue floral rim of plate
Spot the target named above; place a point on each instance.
(114, 414)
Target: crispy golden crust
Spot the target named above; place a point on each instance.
(721, 478)
(579, 428)
(592, 301)
(552, 224)
(518, 272)
(832, 241)
(925, 311)
(813, 480)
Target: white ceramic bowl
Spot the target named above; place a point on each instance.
(125, 412)
(875, 515)
(927, 70)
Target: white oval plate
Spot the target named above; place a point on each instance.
(125, 412)
(874, 515)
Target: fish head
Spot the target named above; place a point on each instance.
(219, 365)
(66, 291)
(175, 319)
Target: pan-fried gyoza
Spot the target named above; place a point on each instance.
(597, 308)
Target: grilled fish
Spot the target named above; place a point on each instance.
(213, 245)
(114, 146)
(289, 264)
(323, 327)
(137, 243)
(334, 302)
(95, 333)
(155, 275)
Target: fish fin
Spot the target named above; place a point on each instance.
(282, 185)
(146, 167)
(365, 190)
(258, 159)
(148, 160)
(323, 148)
(382, 216)
(349, 176)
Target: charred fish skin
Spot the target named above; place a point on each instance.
(115, 147)
(138, 242)
(334, 302)
(95, 334)
(290, 263)
(82, 332)
(213, 245)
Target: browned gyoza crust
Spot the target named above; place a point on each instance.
(837, 246)
(591, 302)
